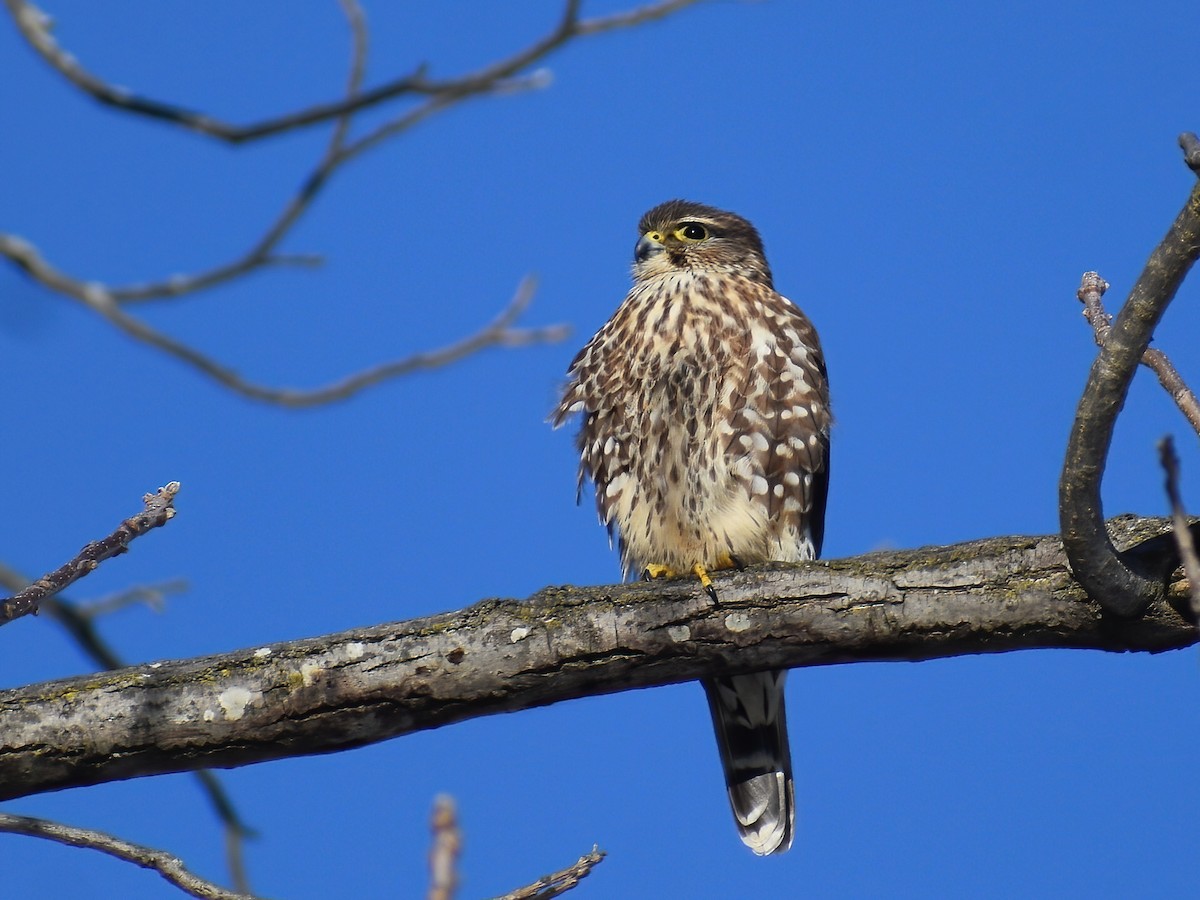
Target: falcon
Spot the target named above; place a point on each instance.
(705, 429)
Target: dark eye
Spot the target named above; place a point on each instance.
(693, 231)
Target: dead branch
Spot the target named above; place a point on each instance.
(159, 509)
(153, 596)
(36, 27)
(560, 882)
(447, 844)
(359, 687)
(432, 96)
(1180, 527)
(168, 866)
(1121, 585)
(1091, 293)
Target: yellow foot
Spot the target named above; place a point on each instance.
(702, 574)
(656, 570)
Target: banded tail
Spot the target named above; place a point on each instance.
(748, 716)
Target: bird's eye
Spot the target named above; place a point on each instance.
(691, 231)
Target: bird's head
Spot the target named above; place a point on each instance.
(683, 236)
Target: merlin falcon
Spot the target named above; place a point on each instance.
(705, 428)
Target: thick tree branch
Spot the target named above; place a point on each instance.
(358, 687)
(168, 866)
(159, 509)
(1122, 585)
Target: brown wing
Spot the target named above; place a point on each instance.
(780, 419)
(604, 438)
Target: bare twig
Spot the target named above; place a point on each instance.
(1091, 292)
(447, 845)
(152, 595)
(159, 508)
(500, 333)
(35, 26)
(29, 259)
(168, 866)
(1120, 586)
(498, 78)
(1179, 522)
(107, 300)
(560, 882)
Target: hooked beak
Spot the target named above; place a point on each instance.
(646, 247)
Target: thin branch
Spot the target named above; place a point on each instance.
(35, 26)
(1091, 293)
(1180, 526)
(159, 509)
(360, 40)
(505, 76)
(1123, 587)
(447, 845)
(152, 595)
(560, 882)
(106, 301)
(29, 259)
(346, 690)
(500, 333)
(168, 866)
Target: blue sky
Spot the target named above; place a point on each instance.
(930, 181)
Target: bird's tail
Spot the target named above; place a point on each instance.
(748, 716)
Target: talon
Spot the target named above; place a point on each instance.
(702, 574)
(655, 570)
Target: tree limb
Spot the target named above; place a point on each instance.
(430, 97)
(501, 332)
(159, 509)
(1180, 528)
(358, 687)
(1091, 293)
(168, 866)
(560, 882)
(443, 855)
(1123, 586)
(36, 27)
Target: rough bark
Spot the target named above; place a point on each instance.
(344, 690)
